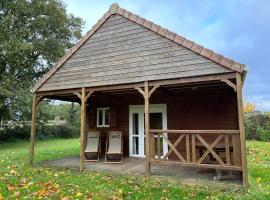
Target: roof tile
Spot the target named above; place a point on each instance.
(155, 27)
(226, 62)
(140, 21)
(127, 14)
(237, 67)
(120, 11)
(197, 48)
(216, 57)
(179, 39)
(162, 31)
(170, 35)
(206, 52)
(147, 24)
(187, 43)
(133, 17)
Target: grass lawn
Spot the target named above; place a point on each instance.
(19, 181)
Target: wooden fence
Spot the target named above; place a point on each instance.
(197, 148)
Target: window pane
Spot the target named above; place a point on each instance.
(135, 119)
(155, 120)
(100, 116)
(135, 148)
(161, 146)
(107, 116)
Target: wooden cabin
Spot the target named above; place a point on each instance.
(174, 100)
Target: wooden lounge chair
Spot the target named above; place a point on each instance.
(92, 149)
(114, 147)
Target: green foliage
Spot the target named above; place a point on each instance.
(66, 111)
(257, 126)
(33, 36)
(17, 132)
(17, 179)
(59, 131)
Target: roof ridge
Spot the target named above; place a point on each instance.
(115, 9)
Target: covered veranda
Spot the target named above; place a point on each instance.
(154, 163)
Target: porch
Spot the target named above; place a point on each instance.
(197, 124)
(135, 166)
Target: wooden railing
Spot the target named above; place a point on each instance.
(193, 142)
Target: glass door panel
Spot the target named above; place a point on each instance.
(135, 134)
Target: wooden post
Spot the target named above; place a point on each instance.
(146, 124)
(33, 128)
(82, 138)
(241, 129)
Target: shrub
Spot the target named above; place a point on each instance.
(263, 134)
(257, 126)
(12, 133)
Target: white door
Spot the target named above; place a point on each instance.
(158, 120)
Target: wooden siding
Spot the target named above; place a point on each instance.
(214, 109)
(122, 51)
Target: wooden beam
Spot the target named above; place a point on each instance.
(173, 148)
(186, 80)
(207, 166)
(229, 83)
(153, 90)
(38, 99)
(146, 127)
(140, 91)
(187, 148)
(210, 149)
(175, 145)
(205, 78)
(78, 95)
(89, 94)
(33, 129)
(224, 132)
(82, 137)
(227, 150)
(193, 146)
(242, 129)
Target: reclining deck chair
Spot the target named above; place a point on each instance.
(114, 147)
(92, 149)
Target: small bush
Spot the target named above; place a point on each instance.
(263, 134)
(23, 132)
(257, 126)
(59, 131)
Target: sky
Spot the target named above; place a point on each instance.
(238, 29)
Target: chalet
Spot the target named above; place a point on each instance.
(175, 101)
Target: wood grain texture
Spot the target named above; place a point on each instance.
(121, 52)
(33, 130)
(242, 129)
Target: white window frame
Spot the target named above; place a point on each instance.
(153, 108)
(103, 117)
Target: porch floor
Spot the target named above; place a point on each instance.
(135, 166)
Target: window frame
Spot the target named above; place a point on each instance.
(103, 109)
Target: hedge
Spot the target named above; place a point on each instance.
(42, 132)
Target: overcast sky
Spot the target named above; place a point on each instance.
(238, 29)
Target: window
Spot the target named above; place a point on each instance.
(103, 117)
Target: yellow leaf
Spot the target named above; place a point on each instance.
(79, 194)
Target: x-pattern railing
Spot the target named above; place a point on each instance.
(225, 140)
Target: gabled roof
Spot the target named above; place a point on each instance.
(115, 9)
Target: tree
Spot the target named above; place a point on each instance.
(249, 107)
(34, 34)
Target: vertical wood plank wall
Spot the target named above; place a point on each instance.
(189, 110)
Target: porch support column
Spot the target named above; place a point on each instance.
(83, 98)
(146, 127)
(149, 142)
(241, 129)
(82, 138)
(35, 102)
